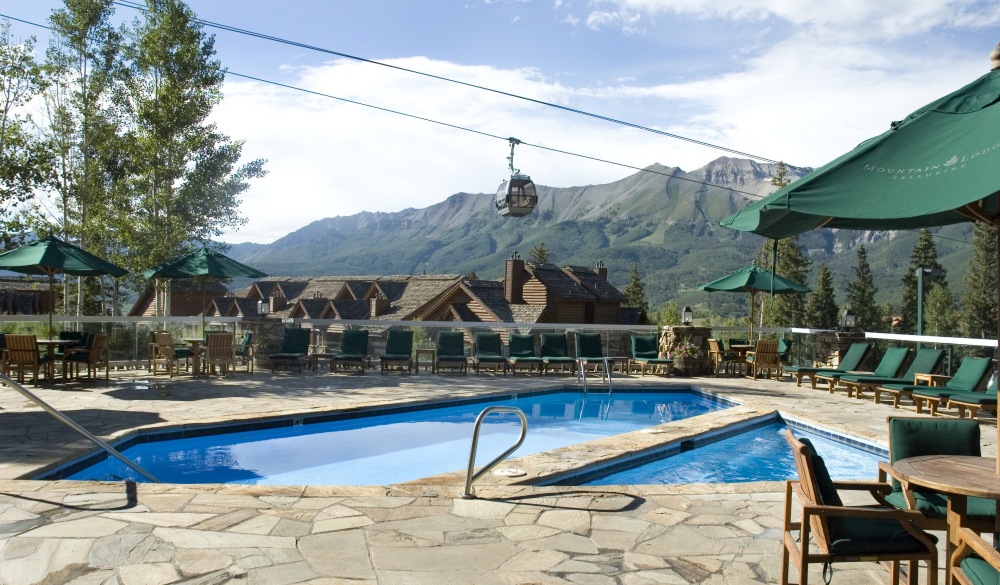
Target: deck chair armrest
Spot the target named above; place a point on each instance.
(885, 471)
(880, 486)
(971, 543)
(873, 512)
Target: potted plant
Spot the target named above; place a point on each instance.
(687, 357)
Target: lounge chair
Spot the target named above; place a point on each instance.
(294, 349)
(855, 355)
(521, 352)
(353, 350)
(244, 351)
(764, 359)
(926, 361)
(975, 561)
(646, 353)
(555, 352)
(971, 376)
(847, 533)
(219, 352)
(975, 401)
(725, 361)
(589, 350)
(451, 351)
(489, 350)
(915, 437)
(888, 367)
(398, 349)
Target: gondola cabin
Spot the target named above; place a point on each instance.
(516, 196)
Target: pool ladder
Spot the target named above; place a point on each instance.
(469, 475)
(76, 427)
(581, 372)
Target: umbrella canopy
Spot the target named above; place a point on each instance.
(935, 167)
(754, 279)
(52, 256)
(202, 263)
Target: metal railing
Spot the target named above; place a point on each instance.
(469, 475)
(76, 427)
(581, 372)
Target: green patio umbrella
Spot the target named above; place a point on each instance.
(754, 279)
(202, 263)
(52, 256)
(937, 166)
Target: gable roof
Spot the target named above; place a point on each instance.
(530, 314)
(351, 309)
(595, 283)
(559, 282)
(490, 294)
(309, 308)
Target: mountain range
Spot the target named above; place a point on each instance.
(662, 219)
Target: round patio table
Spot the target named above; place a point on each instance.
(957, 476)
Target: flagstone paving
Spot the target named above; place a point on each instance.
(417, 533)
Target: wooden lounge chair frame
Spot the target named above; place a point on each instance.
(555, 352)
(521, 351)
(972, 380)
(353, 351)
(889, 366)
(294, 349)
(398, 350)
(646, 353)
(854, 356)
(489, 350)
(451, 352)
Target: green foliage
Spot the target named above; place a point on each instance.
(979, 300)
(669, 314)
(941, 315)
(793, 264)
(539, 254)
(635, 290)
(861, 293)
(924, 255)
(25, 159)
(821, 306)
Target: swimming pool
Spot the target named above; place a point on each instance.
(389, 445)
(758, 454)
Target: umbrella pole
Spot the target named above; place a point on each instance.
(52, 303)
(996, 233)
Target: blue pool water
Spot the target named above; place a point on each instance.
(398, 447)
(761, 454)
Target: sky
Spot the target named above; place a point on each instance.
(799, 81)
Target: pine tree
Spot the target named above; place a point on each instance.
(635, 290)
(821, 304)
(539, 254)
(979, 300)
(861, 295)
(940, 313)
(924, 255)
(670, 314)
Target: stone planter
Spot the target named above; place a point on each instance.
(689, 367)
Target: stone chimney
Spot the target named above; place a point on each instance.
(601, 270)
(380, 304)
(513, 279)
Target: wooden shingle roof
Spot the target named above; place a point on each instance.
(595, 283)
(530, 313)
(463, 313)
(309, 308)
(559, 283)
(351, 308)
(490, 294)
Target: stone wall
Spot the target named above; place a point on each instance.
(830, 345)
(697, 335)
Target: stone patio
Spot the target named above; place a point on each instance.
(415, 533)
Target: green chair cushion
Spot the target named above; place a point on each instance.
(979, 571)
(856, 536)
(646, 355)
(935, 505)
(978, 398)
(394, 356)
(654, 360)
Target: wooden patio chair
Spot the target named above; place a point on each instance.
(169, 356)
(723, 361)
(975, 401)
(219, 351)
(975, 561)
(489, 350)
(764, 359)
(521, 352)
(971, 376)
(851, 360)
(646, 353)
(24, 356)
(398, 350)
(294, 349)
(830, 532)
(451, 351)
(94, 356)
(888, 367)
(244, 351)
(926, 361)
(555, 352)
(914, 437)
(353, 351)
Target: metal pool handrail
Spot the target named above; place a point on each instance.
(581, 373)
(469, 475)
(73, 425)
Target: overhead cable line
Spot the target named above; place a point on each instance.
(226, 27)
